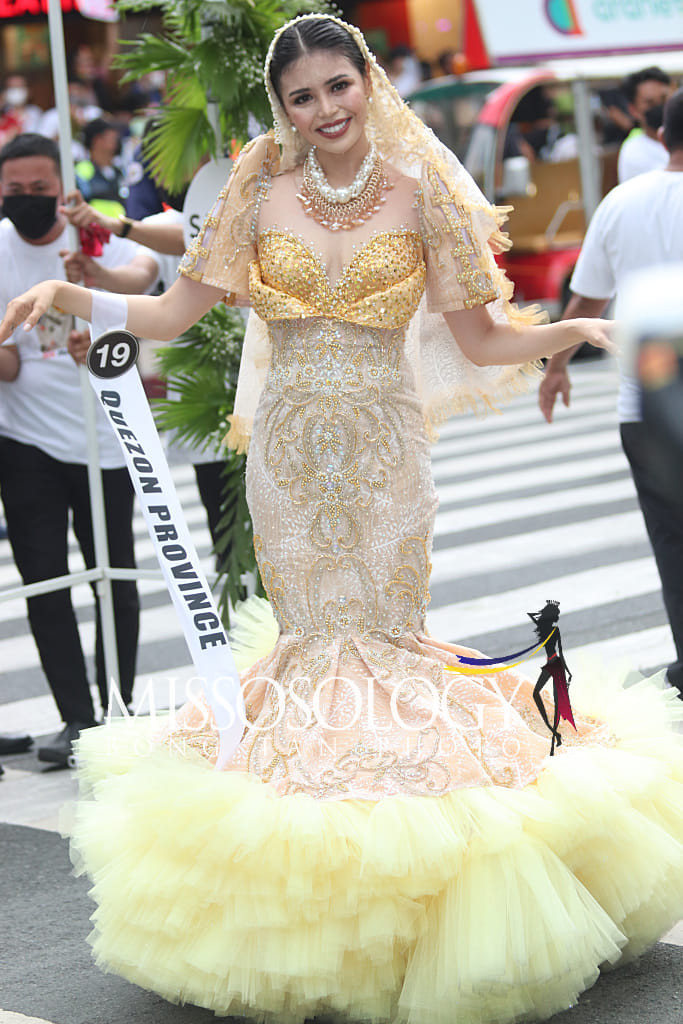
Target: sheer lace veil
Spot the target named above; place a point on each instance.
(402, 139)
(447, 381)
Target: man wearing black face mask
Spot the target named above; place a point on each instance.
(646, 92)
(43, 460)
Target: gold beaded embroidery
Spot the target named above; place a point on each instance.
(288, 747)
(336, 410)
(213, 253)
(339, 484)
(457, 236)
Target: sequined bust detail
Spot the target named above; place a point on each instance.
(340, 488)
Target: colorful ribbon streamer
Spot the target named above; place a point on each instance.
(493, 665)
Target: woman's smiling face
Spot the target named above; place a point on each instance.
(326, 99)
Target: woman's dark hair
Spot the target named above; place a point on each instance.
(547, 617)
(308, 36)
(30, 144)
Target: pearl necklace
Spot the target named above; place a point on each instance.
(348, 192)
(343, 208)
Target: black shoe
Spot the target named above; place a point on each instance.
(674, 677)
(14, 743)
(59, 750)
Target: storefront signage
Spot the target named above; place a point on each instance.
(22, 8)
(543, 29)
(99, 10)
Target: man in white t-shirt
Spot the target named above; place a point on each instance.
(43, 457)
(637, 225)
(646, 92)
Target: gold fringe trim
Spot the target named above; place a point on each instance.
(500, 241)
(440, 408)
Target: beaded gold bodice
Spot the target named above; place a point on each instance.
(345, 371)
(380, 287)
(340, 451)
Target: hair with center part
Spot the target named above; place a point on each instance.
(310, 36)
(673, 121)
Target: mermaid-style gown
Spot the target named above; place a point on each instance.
(391, 840)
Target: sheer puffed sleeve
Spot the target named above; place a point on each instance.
(222, 251)
(461, 236)
(460, 240)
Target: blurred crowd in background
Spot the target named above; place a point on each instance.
(107, 120)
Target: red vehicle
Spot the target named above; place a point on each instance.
(490, 118)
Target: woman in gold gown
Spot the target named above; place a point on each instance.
(389, 841)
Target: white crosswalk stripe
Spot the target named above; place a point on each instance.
(527, 512)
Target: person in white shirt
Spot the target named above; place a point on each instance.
(83, 109)
(43, 459)
(162, 235)
(646, 92)
(637, 225)
(15, 98)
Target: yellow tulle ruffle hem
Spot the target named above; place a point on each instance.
(483, 905)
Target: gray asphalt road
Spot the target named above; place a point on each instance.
(47, 971)
(560, 504)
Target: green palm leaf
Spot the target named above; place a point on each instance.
(153, 53)
(180, 137)
(213, 51)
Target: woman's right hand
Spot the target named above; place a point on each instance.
(28, 308)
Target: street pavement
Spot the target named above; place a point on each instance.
(527, 512)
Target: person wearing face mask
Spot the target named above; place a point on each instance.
(17, 113)
(43, 460)
(646, 92)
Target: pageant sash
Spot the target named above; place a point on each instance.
(117, 384)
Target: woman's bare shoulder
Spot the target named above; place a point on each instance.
(285, 182)
(280, 197)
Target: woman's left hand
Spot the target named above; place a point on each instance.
(595, 331)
